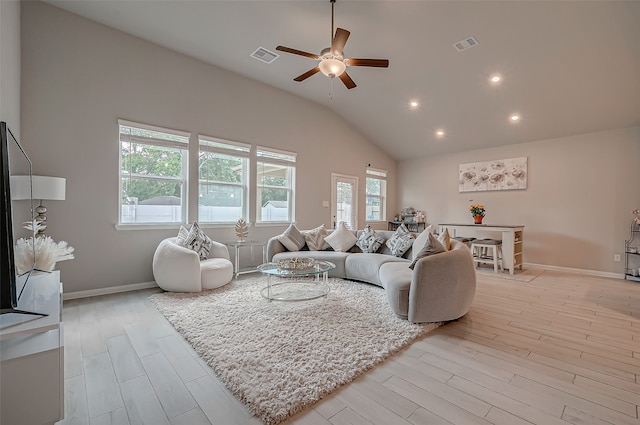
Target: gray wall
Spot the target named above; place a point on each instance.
(79, 77)
(10, 65)
(576, 208)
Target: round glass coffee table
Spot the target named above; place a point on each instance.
(296, 279)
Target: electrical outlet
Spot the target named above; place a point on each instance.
(616, 257)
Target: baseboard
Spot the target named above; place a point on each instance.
(578, 271)
(147, 285)
(109, 290)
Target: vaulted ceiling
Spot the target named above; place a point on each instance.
(567, 67)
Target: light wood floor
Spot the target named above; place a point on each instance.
(561, 349)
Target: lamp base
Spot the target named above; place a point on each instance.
(41, 220)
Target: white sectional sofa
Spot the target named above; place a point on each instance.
(440, 287)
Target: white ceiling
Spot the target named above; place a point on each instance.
(569, 67)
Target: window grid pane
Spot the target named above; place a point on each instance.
(153, 175)
(222, 182)
(274, 192)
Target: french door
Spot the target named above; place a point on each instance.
(344, 200)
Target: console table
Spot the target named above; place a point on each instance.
(32, 355)
(412, 226)
(511, 235)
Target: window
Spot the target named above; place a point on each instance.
(376, 207)
(275, 177)
(223, 176)
(153, 174)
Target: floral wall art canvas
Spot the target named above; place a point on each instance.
(501, 174)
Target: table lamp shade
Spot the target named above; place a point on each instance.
(44, 187)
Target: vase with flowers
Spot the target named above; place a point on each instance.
(477, 212)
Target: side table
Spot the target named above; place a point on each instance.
(236, 245)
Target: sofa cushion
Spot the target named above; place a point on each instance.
(292, 239)
(433, 247)
(396, 280)
(197, 241)
(366, 266)
(445, 239)
(341, 239)
(421, 240)
(369, 241)
(315, 238)
(400, 241)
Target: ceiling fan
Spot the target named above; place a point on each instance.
(332, 61)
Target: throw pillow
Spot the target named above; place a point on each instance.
(369, 241)
(292, 239)
(400, 241)
(445, 239)
(181, 239)
(431, 248)
(421, 240)
(341, 239)
(315, 238)
(199, 242)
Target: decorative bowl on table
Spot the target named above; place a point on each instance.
(296, 263)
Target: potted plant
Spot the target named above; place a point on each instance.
(477, 212)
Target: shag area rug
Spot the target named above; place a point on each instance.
(279, 358)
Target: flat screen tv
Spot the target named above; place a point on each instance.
(14, 212)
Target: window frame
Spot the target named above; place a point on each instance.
(270, 156)
(181, 146)
(231, 149)
(381, 175)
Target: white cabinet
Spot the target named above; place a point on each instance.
(32, 356)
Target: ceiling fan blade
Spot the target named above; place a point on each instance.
(339, 40)
(347, 80)
(297, 52)
(379, 63)
(307, 74)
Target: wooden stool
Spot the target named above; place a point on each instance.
(480, 249)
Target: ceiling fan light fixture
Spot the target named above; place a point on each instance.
(332, 67)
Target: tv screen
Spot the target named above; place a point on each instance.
(14, 213)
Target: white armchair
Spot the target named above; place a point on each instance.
(179, 269)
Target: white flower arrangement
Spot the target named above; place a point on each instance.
(47, 252)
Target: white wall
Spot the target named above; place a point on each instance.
(10, 64)
(79, 77)
(576, 209)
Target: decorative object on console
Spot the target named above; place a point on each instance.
(477, 212)
(242, 230)
(502, 174)
(47, 252)
(408, 215)
(637, 213)
(44, 188)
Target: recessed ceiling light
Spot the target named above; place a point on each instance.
(413, 103)
(514, 117)
(495, 78)
(440, 133)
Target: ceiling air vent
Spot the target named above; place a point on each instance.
(465, 44)
(264, 55)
